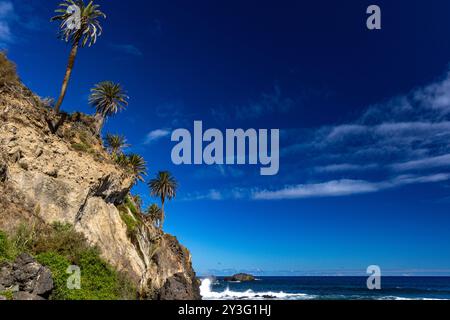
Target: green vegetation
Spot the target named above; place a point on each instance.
(108, 98)
(81, 147)
(115, 144)
(59, 247)
(6, 253)
(163, 186)
(154, 214)
(130, 215)
(137, 165)
(129, 202)
(8, 74)
(85, 33)
(131, 223)
(134, 164)
(8, 294)
(98, 280)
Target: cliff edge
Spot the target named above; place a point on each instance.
(54, 169)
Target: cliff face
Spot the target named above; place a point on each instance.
(68, 177)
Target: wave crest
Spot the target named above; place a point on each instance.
(207, 294)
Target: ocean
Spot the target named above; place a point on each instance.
(326, 288)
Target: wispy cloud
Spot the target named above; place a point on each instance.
(345, 167)
(129, 49)
(17, 17)
(426, 163)
(213, 195)
(156, 135)
(7, 14)
(345, 187)
(404, 133)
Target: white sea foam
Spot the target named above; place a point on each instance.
(227, 294)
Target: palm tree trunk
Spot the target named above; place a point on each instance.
(99, 121)
(70, 64)
(162, 213)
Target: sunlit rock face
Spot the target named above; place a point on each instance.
(68, 177)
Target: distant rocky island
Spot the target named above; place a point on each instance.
(242, 277)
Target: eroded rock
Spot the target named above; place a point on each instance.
(29, 279)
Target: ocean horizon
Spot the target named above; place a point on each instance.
(327, 288)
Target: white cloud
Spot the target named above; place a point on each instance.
(404, 133)
(213, 195)
(426, 163)
(6, 15)
(342, 167)
(344, 187)
(156, 135)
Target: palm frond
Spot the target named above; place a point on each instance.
(108, 98)
(89, 25)
(115, 143)
(164, 185)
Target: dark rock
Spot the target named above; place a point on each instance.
(3, 172)
(179, 288)
(242, 277)
(28, 276)
(22, 295)
(6, 277)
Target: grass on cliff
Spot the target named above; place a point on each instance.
(58, 247)
(130, 215)
(8, 74)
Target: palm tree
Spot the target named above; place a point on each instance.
(138, 167)
(80, 26)
(122, 160)
(163, 186)
(154, 214)
(115, 144)
(108, 98)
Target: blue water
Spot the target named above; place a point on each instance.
(328, 288)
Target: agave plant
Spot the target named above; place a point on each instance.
(108, 98)
(154, 214)
(138, 167)
(80, 26)
(115, 144)
(163, 186)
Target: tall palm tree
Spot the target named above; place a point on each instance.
(80, 26)
(154, 214)
(108, 98)
(138, 166)
(163, 186)
(115, 144)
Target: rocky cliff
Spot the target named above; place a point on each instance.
(58, 171)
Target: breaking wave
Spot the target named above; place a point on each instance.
(207, 294)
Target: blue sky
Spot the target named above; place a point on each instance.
(364, 118)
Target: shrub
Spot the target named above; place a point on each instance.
(59, 246)
(8, 74)
(81, 147)
(24, 238)
(62, 239)
(129, 220)
(8, 294)
(130, 205)
(99, 281)
(58, 266)
(5, 247)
